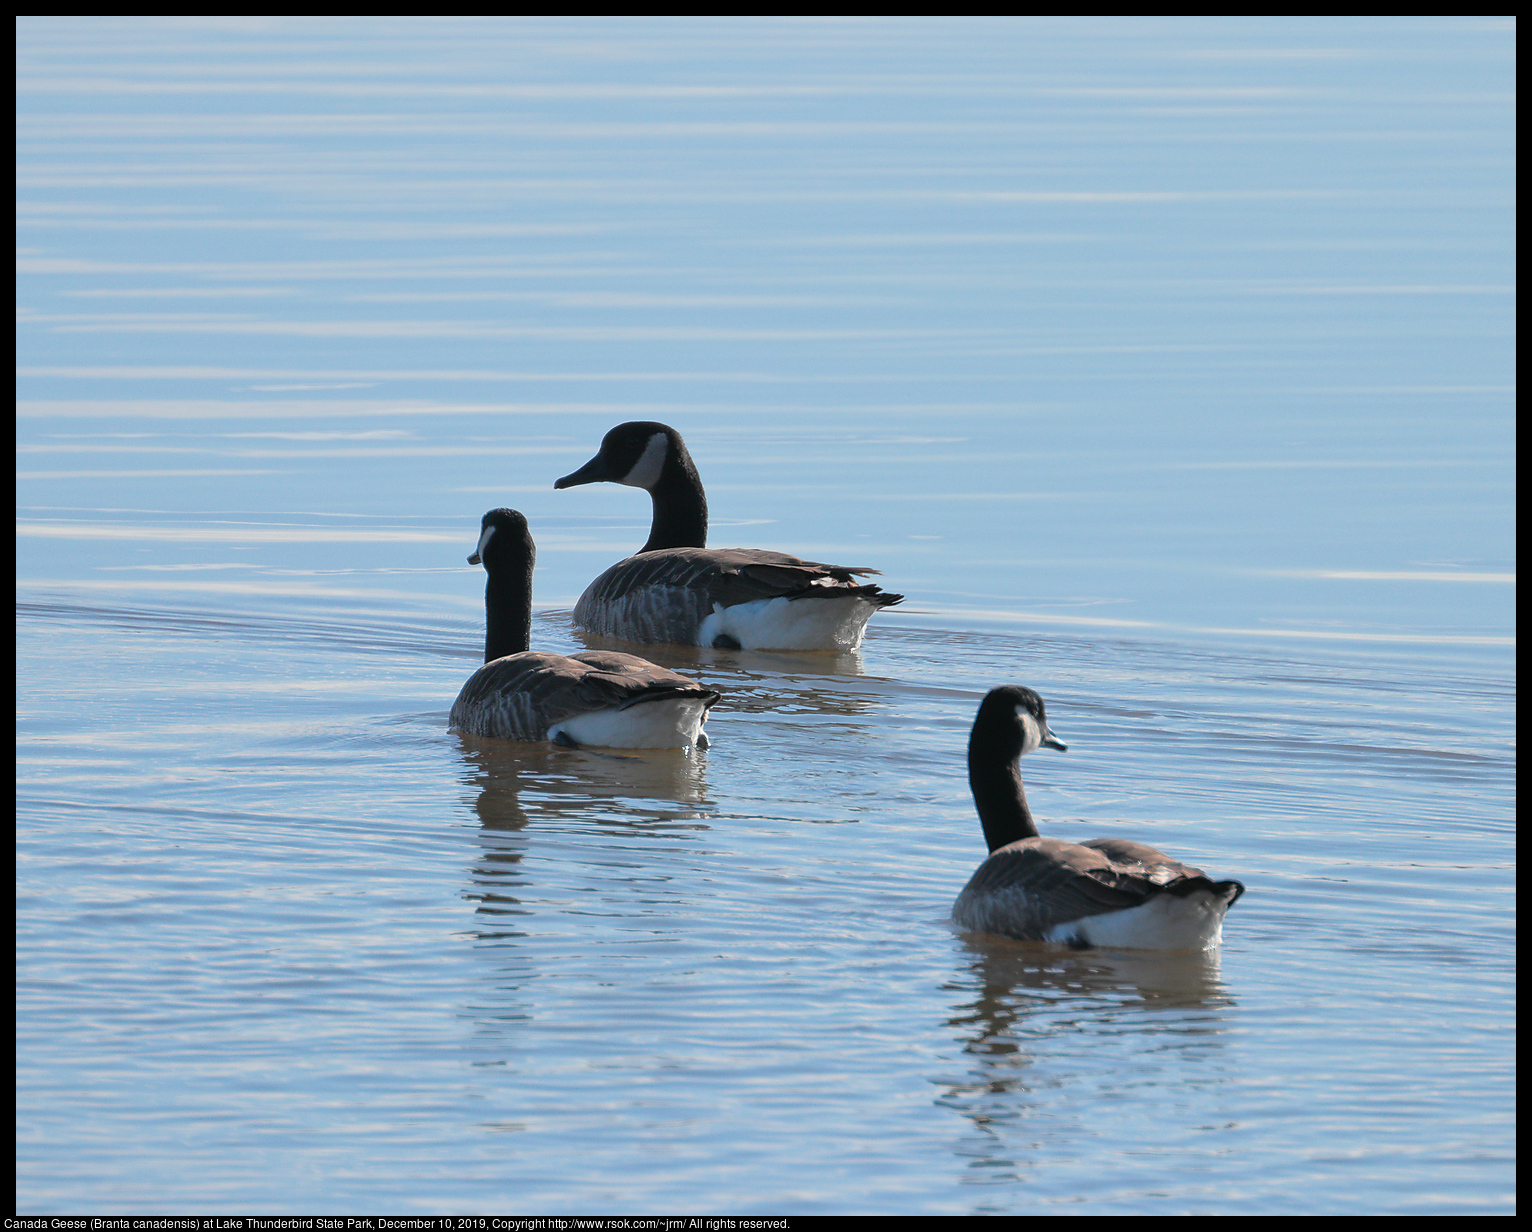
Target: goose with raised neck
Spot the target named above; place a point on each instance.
(598, 697)
(677, 589)
(1103, 892)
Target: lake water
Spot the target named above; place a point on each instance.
(1166, 365)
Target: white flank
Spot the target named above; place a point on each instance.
(1165, 922)
(668, 723)
(790, 624)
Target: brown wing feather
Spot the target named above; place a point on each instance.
(521, 696)
(1024, 889)
(665, 596)
(1142, 860)
(735, 575)
(1027, 887)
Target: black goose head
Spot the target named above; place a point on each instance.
(634, 453)
(508, 554)
(652, 456)
(504, 539)
(1012, 722)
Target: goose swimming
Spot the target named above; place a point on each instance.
(1107, 891)
(598, 697)
(677, 589)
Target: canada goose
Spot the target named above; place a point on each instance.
(676, 589)
(1108, 891)
(599, 697)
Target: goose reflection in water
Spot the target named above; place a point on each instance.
(568, 786)
(1044, 1032)
(758, 681)
(569, 781)
(819, 681)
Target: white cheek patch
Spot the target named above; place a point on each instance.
(483, 543)
(1031, 732)
(645, 473)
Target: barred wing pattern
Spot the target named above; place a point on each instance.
(520, 696)
(1028, 887)
(664, 596)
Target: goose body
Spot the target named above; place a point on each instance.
(1104, 892)
(598, 697)
(677, 589)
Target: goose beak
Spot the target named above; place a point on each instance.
(1050, 741)
(474, 559)
(593, 471)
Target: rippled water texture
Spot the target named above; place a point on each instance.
(1165, 365)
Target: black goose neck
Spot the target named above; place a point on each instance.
(680, 505)
(995, 778)
(508, 608)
